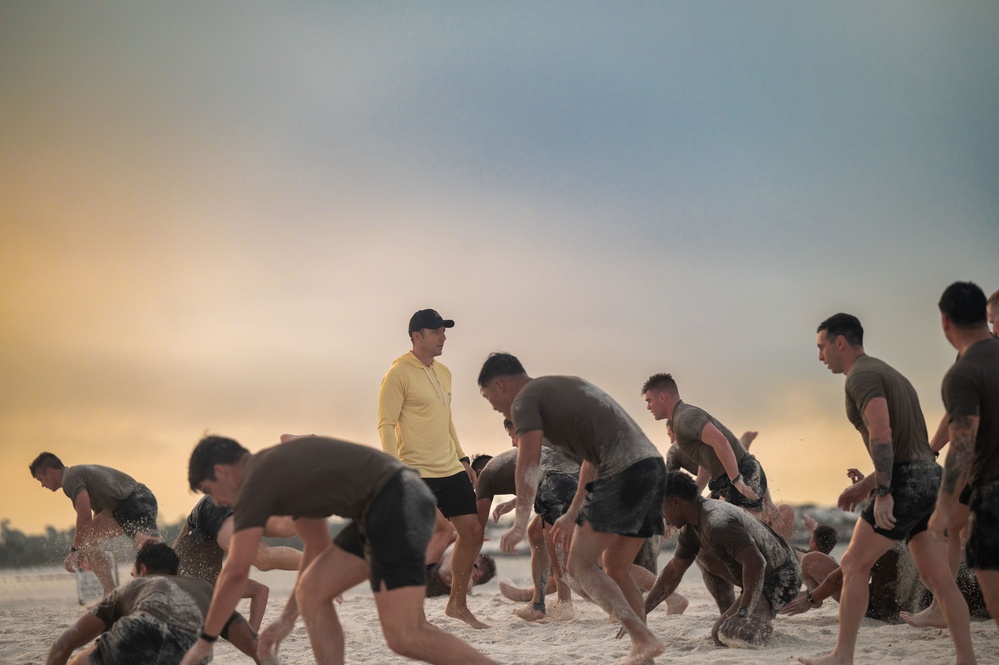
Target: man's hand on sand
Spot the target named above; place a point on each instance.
(798, 605)
(271, 637)
(199, 651)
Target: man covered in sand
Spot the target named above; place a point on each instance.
(311, 478)
(733, 549)
(415, 426)
(204, 540)
(152, 620)
(618, 501)
(884, 407)
(108, 504)
(971, 398)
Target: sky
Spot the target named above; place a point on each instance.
(219, 217)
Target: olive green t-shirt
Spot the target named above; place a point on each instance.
(499, 475)
(312, 477)
(688, 423)
(106, 486)
(582, 421)
(870, 378)
(971, 388)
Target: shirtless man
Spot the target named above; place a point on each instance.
(153, 619)
(971, 398)
(556, 489)
(884, 407)
(204, 540)
(415, 426)
(733, 549)
(618, 501)
(311, 478)
(108, 504)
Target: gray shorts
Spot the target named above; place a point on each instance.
(629, 503)
(141, 638)
(137, 513)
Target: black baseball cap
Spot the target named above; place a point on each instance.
(428, 318)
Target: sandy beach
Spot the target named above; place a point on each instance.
(37, 605)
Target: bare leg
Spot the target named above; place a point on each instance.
(587, 548)
(104, 527)
(466, 548)
(989, 579)
(865, 548)
(932, 616)
(931, 561)
(541, 564)
(409, 634)
(442, 537)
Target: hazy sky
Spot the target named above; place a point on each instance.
(220, 216)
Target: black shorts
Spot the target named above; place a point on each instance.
(782, 584)
(141, 638)
(629, 503)
(396, 533)
(982, 548)
(752, 474)
(455, 494)
(137, 513)
(555, 493)
(914, 488)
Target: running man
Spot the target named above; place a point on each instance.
(619, 498)
(311, 478)
(415, 426)
(108, 504)
(153, 619)
(883, 406)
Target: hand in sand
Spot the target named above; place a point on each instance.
(799, 605)
(510, 539)
(272, 636)
(200, 651)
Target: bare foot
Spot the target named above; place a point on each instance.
(464, 614)
(931, 617)
(829, 659)
(515, 593)
(562, 611)
(676, 604)
(528, 613)
(642, 652)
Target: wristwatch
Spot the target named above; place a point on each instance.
(882, 490)
(742, 612)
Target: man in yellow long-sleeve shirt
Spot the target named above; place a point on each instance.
(415, 425)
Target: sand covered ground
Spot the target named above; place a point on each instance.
(37, 605)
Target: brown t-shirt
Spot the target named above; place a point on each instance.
(723, 530)
(312, 477)
(676, 460)
(688, 423)
(499, 475)
(870, 378)
(582, 421)
(971, 388)
(106, 486)
(179, 601)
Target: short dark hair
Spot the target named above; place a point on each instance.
(507, 424)
(489, 566)
(45, 461)
(681, 485)
(212, 450)
(479, 462)
(660, 381)
(157, 557)
(964, 304)
(497, 365)
(825, 538)
(846, 325)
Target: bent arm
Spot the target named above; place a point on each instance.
(84, 518)
(963, 430)
(667, 582)
(83, 631)
(753, 566)
(233, 579)
(528, 475)
(390, 400)
(878, 424)
(712, 436)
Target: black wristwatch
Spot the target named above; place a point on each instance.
(742, 612)
(882, 490)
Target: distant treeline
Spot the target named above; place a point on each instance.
(20, 551)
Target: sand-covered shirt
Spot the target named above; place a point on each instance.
(971, 388)
(499, 475)
(312, 477)
(106, 486)
(722, 530)
(688, 423)
(582, 421)
(181, 602)
(870, 378)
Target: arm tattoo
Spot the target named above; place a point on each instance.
(962, 450)
(883, 455)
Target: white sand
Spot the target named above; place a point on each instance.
(36, 606)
